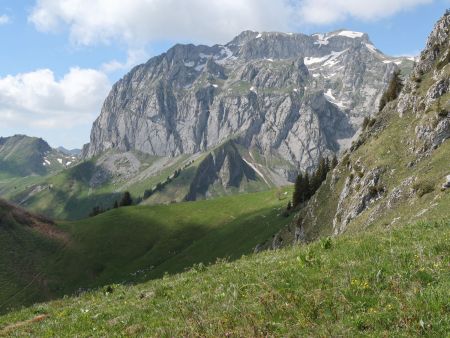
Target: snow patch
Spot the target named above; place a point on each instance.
(270, 60)
(257, 171)
(215, 86)
(351, 34)
(189, 64)
(322, 40)
(330, 98)
(258, 36)
(372, 48)
(253, 89)
(60, 160)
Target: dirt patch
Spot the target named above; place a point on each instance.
(8, 329)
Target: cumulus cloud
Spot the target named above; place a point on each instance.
(140, 21)
(136, 22)
(4, 19)
(134, 57)
(329, 11)
(39, 100)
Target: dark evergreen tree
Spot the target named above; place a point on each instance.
(394, 88)
(126, 199)
(148, 193)
(306, 187)
(298, 196)
(289, 206)
(116, 205)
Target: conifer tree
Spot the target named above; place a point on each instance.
(393, 90)
(126, 199)
(298, 191)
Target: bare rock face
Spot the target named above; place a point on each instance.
(299, 96)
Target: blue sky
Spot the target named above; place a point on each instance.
(60, 57)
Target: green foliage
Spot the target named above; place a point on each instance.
(393, 90)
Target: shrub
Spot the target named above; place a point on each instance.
(423, 187)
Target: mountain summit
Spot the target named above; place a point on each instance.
(292, 97)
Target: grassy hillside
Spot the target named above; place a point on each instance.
(22, 156)
(133, 244)
(391, 282)
(27, 244)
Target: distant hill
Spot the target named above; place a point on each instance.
(21, 155)
(73, 152)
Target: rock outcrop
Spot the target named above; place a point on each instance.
(299, 96)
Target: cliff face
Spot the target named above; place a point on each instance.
(294, 95)
(398, 170)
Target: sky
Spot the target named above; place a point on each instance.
(59, 58)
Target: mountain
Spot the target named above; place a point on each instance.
(236, 118)
(290, 96)
(22, 155)
(71, 152)
(397, 171)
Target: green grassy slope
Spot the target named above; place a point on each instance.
(133, 244)
(27, 245)
(391, 282)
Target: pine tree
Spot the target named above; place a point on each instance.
(306, 187)
(393, 90)
(297, 198)
(126, 199)
(289, 206)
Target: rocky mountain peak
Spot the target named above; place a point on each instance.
(298, 96)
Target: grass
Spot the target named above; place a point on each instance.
(135, 244)
(391, 282)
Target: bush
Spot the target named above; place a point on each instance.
(423, 187)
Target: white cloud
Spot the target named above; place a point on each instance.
(39, 100)
(134, 57)
(4, 19)
(136, 22)
(140, 21)
(329, 11)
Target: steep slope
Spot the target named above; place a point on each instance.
(27, 244)
(397, 171)
(294, 95)
(131, 244)
(380, 283)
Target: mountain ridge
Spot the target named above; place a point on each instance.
(192, 98)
